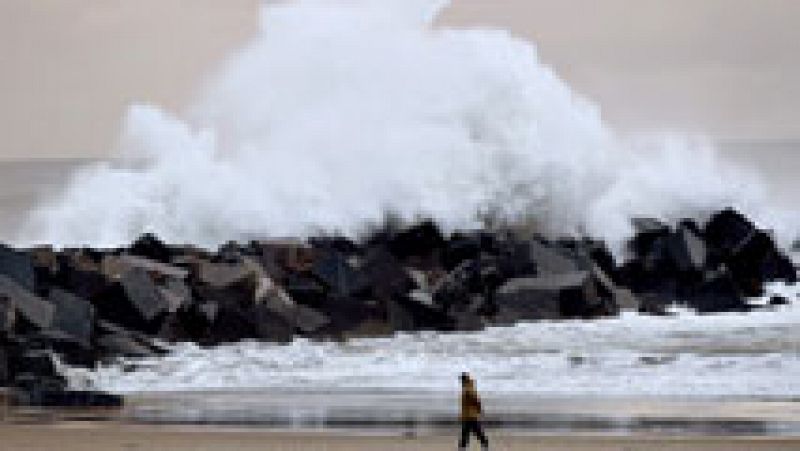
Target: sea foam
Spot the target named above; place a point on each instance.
(744, 355)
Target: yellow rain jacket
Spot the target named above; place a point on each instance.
(470, 402)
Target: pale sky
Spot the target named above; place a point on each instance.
(726, 68)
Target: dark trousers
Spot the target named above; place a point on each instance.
(469, 427)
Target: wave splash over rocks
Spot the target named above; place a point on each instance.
(339, 112)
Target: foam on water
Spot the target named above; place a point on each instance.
(753, 355)
(339, 111)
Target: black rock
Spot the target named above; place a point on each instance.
(778, 300)
(334, 270)
(461, 247)
(728, 230)
(30, 389)
(420, 315)
(37, 362)
(420, 240)
(275, 327)
(149, 246)
(719, 292)
(73, 398)
(385, 274)
(648, 231)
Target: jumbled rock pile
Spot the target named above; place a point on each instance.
(88, 305)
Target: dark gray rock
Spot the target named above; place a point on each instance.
(423, 313)
(552, 260)
(622, 299)
(208, 310)
(5, 371)
(275, 327)
(30, 388)
(546, 297)
(399, 317)
(114, 345)
(300, 317)
(143, 294)
(39, 362)
(114, 340)
(176, 294)
(73, 315)
(687, 250)
(32, 308)
(224, 275)
(17, 266)
(385, 274)
(335, 271)
(7, 315)
(115, 266)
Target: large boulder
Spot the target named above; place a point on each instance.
(81, 275)
(299, 317)
(227, 283)
(549, 259)
(410, 312)
(115, 266)
(276, 327)
(277, 256)
(151, 247)
(337, 273)
(114, 340)
(687, 249)
(552, 296)
(73, 315)
(35, 311)
(5, 372)
(420, 240)
(17, 266)
(728, 230)
(751, 254)
(143, 294)
(8, 315)
(718, 292)
(384, 273)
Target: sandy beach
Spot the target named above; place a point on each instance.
(82, 436)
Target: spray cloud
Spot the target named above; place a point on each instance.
(339, 111)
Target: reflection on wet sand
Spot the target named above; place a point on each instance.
(419, 414)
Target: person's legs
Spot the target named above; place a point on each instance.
(481, 436)
(465, 430)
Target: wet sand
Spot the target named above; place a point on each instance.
(82, 436)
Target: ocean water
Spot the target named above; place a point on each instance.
(754, 355)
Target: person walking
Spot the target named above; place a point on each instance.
(470, 414)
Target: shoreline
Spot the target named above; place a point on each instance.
(416, 414)
(105, 436)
